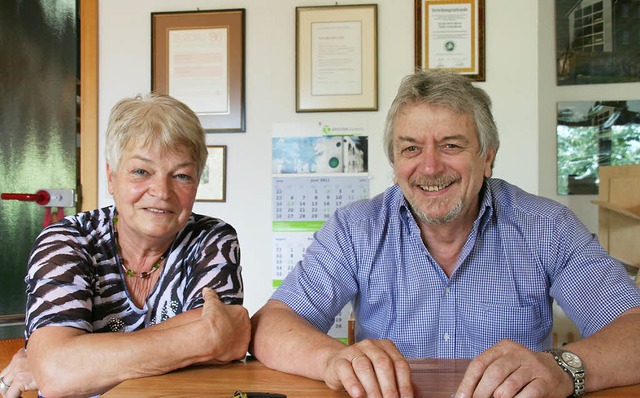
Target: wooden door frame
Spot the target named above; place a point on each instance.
(88, 189)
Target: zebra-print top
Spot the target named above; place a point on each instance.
(74, 278)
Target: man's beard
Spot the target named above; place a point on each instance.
(417, 206)
(423, 216)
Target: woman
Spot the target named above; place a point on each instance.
(147, 266)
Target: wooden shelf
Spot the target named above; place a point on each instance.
(617, 209)
(619, 214)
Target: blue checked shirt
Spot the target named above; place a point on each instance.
(523, 251)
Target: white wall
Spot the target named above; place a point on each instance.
(519, 77)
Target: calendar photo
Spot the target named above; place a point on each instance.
(323, 154)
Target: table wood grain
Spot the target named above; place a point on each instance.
(222, 381)
(433, 378)
(8, 347)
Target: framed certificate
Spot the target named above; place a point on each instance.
(450, 35)
(213, 182)
(337, 58)
(198, 58)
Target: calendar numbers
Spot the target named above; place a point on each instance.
(340, 329)
(301, 204)
(302, 198)
(288, 249)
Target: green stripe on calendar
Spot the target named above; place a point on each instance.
(296, 226)
(343, 339)
(277, 283)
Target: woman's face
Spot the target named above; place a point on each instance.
(153, 191)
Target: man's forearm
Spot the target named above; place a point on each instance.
(284, 341)
(612, 355)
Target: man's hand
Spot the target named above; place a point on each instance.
(508, 368)
(371, 368)
(17, 376)
(230, 327)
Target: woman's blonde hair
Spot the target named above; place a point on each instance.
(155, 119)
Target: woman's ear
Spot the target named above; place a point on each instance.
(109, 179)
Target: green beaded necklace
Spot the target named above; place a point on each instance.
(129, 272)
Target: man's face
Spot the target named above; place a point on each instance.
(437, 163)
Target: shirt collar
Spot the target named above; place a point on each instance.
(485, 212)
(396, 203)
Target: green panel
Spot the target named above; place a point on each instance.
(38, 127)
(296, 226)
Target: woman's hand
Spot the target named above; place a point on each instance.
(230, 327)
(17, 377)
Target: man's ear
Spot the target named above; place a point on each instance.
(489, 161)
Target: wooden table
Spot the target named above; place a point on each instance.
(432, 378)
(437, 378)
(8, 347)
(222, 381)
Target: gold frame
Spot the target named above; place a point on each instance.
(342, 74)
(451, 37)
(213, 88)
(213, 189)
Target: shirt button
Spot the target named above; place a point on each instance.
(447, 290)
(446, 337)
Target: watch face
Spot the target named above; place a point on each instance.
(571, 360)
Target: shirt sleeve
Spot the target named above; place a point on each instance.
(590, 286)
(215, 263)
(58, 280)
(324, 281)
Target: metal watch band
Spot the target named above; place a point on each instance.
(577, 375)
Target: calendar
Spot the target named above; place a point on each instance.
(312, 176)
(301, 205)
(288, 249)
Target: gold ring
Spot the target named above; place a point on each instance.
(356, 357)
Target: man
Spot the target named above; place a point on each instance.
(451, 263)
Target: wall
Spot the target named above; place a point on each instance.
(519, 77)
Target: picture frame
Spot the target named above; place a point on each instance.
(591, 134)
(596, 42)
(449, 34)
(213, 182)
(337, 58)
(198, 57)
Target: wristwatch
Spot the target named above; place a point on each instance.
(571, 364)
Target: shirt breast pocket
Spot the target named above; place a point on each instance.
(488, 323)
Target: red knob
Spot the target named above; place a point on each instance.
(41, 197)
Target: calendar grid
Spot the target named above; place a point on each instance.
(302, 203)
(315, 198)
